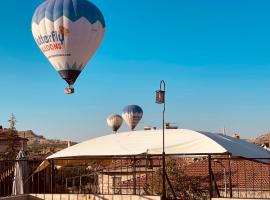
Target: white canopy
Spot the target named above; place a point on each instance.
(177, 141)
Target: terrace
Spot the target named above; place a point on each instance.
(189, 175)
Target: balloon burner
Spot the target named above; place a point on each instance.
(69, 90)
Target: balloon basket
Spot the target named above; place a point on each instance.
(69, 90)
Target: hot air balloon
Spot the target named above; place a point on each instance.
(68, 32)
(132, 114)
(114, 121)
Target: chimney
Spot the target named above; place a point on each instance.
(224, 130)
(148, 128)
(236, 135)
(168, 126)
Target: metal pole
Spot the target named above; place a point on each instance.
(225, 181)
(210, 177)
(163, 148)
(134, 175)
(160, 99)
(230, 176)
(163, 161)
(224, 175)
(51, 176)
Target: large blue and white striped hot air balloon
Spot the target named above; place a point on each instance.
(132, 114)
(68, 32)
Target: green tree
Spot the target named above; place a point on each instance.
(12, 122)
(185, 187)
(11, 152)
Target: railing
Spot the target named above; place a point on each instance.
(190, 176)
(7, 168)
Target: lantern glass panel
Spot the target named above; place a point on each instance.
(160, 96)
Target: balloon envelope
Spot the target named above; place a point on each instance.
(132, 114)
(114, 121)
(68, 32)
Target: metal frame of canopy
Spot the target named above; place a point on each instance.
(48, 180)
(52, 162)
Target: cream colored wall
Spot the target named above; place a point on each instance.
(79, 197)
(232, 199)
(246, 194)
(91, 197)
(108, 183)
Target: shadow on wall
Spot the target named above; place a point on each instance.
(21, 197)
(30, 197)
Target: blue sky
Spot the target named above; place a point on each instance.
(213, 55)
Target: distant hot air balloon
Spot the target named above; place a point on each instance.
(132, 114)
(114, 121)
(68, 32)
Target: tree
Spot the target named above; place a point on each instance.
(11, 152)
(12, 122)
(185, 187)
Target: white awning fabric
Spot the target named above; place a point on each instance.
(177, 141)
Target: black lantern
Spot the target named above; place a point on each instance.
(160, 96)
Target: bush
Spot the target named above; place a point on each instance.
(185, 187)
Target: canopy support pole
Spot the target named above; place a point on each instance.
(230, 176)
(210, 177)
(52, 175)
(134, 175)
(170, 185)
(215, 184)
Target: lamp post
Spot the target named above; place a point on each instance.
(160, 99)
(224, 172)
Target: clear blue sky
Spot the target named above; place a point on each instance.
(213, 55)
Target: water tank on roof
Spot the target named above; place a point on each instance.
(169, 126)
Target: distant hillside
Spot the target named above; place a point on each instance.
(265, 138)
(34, 139)
(40, 147)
